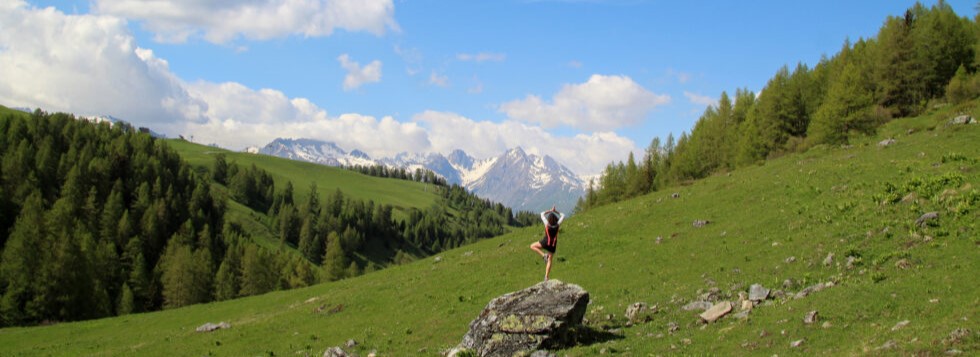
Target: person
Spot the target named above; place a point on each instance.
(546, 246)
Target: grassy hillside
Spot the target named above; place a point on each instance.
(768, 223)
(401, 194)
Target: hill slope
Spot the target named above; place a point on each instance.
(827, 200)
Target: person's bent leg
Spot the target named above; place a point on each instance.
(536, 246)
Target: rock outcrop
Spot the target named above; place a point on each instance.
(539, 317)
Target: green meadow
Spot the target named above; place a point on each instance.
(773, 224)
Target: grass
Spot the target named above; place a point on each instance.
(805, 206)
(400, 194)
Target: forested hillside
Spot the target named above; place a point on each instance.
(100, 220)
(927, 57)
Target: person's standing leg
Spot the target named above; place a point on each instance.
(547, 267)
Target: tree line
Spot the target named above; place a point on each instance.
(926, 57)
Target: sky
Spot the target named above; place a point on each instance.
(584, 81)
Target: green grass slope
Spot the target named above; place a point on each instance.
(769, 223)
(400, 194)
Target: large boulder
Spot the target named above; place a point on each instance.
(539, 317)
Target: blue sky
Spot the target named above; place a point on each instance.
(583, 81)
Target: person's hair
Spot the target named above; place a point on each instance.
(552, 218)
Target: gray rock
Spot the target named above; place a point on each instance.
(903, 264)
(437, 259)
(758, 293)
(797, 343)
(351, 343)
(850, 262)
(675, 195)
(812, 289)
(962, 119)
(829, 260)
(926, 218)
(716, 312)
(659, 239)
(633, 311)
(958, 335)
(790, 260)
(953, 352)
(744, 314)
(697, 305)
(701, 223)
(672, 327)
(900, 325)
(886, 142)
(335, 352)
(788, 283)
(888, 345)
(538, 317)
(810, 317)
(208, 327)
(542, 353)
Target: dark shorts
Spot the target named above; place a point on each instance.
(545, 246)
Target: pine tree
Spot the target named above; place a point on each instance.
(22, 256)
(335, 259)
(228, 280)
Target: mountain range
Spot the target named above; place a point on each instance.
(515, 178)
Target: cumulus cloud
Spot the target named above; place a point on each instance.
(239, 116)
(222, 21)
(700, 99)
(481, 57)
(85, 64)
(91, 65)
(357, 75)
(602, 103)
(584, 154)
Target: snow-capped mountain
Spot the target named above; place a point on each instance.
(517, 179)
(316, 151)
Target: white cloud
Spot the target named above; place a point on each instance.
(222, 21)
(240, 117)
(700, 99)
(481, 57)
(438, 80)
(357, 75)
(412, 57)
(584, 154)
(91, 65)
(600, 104)
(85, 64)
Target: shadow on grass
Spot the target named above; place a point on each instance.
(585, 335)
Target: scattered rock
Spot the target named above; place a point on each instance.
(633, 311)
(744, 314)
(958, 335)
(542, 353)
(886, 142)
(912, 196)
(351, 343)
(778, 294)
(829, 260)
(468, 253)
(758, 293)
(900, 325)
(747, 305)
(763, 333)
(903, 264)
(672, 327)
(796, 343)
(953, 352)
(775, 244)
(438, 259)
(926, 218)
(659, 239)
(961, 120)
(826, 324)
(335, 352)
(790, 260)
(675, 195)
(712, 295)
(208, 327)
(812, 289)
(888, 345)
(701, 223)
(788, 283)
(686, 341)
(538, 317)
(716, 312)
(849, 264)
(697, 305)
(810, 317)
